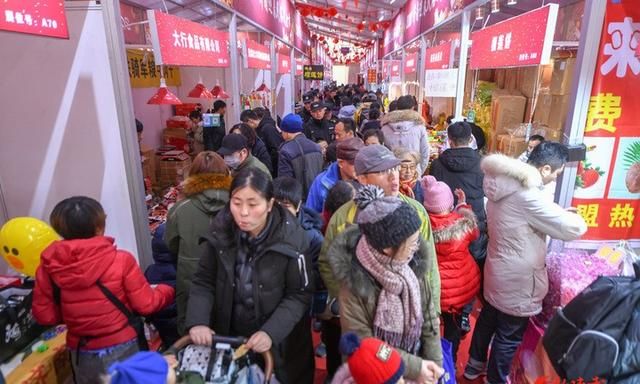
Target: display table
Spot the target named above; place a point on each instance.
(49, 367)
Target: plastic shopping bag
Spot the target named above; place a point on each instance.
(448, 365)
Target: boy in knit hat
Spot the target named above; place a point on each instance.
(453, 231)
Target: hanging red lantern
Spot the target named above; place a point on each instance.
(332, 11)
(321, 38)
(360, 27)
(318, 12)
(305, 12)
(374, 27)
(336, 40)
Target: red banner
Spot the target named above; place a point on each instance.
(258, 56)
(178, 41)
(435, 12)
(395, 69)
(302, 35)
(438, 57)
(519, 41)
(607, 193)
(300, 63)
(410, 63)
(275, 16)
(44, 17)
(412, 12)
(284, 64)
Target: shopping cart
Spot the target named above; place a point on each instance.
(226, 361)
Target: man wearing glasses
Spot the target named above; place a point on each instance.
(374, 165)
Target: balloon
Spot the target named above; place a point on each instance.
(22, 240)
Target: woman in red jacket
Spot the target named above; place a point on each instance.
(453, 231)
(98, 333)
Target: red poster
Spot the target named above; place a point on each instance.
(284, 64)
(436, 11)
(395, 69)
(410, 63)
(300, 65)
(607, 193)
(275, 16)
(519, 41)
(302, 35)
(412, 11)
(438, 57)
(44, 17)
(258, 56)
(178, 41)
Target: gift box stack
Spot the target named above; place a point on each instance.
(173, 167)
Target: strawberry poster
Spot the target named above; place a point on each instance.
(607, 193)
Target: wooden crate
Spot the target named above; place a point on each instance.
(173, 169)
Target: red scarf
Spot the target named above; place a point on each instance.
(406, 187)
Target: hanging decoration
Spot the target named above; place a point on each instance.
(164, 96)
(311, 10)
(200, 91)
(218, 92)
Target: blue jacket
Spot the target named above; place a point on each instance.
(321, 186)
(312, 223)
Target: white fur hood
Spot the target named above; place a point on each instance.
(505, 175)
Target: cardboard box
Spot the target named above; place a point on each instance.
(511, 145)
(511, 79)
(543, 108)
(185, 109)
(507, 111)
(173, 169)
(554, 134)
(558, 112)
(49, 367)
(562, 76)
(527, 80)
(177, 137)
(499, 77)
(149, 169)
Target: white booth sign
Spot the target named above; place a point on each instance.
(441, 82)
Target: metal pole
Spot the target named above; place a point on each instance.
(592, 24)
(236, 107)
(421, 70)
(293, 65)
(272, 72)
(126, 124)
(403, 59)
(462, 66)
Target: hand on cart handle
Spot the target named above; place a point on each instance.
(201, 335)
(259, 342)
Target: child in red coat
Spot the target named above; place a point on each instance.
(453, 230)
(67, 289)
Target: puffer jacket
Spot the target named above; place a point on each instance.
(321, 186)
(345, 216)
(406, 129)
(260, 152)
(519, 219)
(359, 296)
(459, 273)
(301, 159)
(187, 222)
(269, 134)
(460, 168)
(281, 285)
(75, 266)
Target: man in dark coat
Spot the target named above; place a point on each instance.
(260, 120)
(305, 114)
(317, 128)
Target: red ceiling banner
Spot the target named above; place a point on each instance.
(438, 57)
(300, 63)
(257, 56)
(520, 41)
(410, 63)
(607, 193)
(394, 35)
(412, 12)
(284, 64)
(435, 12)
(44, 17)
(302, 35)
(395, 69)
(275, 16)
(178, 41)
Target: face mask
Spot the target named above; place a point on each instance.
(232, 161)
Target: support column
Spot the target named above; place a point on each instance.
(274, 69)
(462, 65)
(420, 67)
(292, 61)
(235, 68)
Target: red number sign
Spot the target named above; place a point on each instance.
(179, 41)
(44, 17)
(520, 41)
(410, 63)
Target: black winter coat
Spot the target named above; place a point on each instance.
(260, 152)
(301, 159)
(282, 289)
(319, 130)
(460, 168)
(269, 134)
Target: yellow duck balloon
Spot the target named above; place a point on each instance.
(22, 240)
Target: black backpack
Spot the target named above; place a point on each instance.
(583, 339)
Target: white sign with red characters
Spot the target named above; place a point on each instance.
(43, 17)
(178, 41)
(519, 41)
(441, 82)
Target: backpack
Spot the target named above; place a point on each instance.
(583, 339)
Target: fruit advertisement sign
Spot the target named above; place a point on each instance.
(607, 193)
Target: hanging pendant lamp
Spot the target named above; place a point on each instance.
(164, 96)
(218, 93)
(200, 91)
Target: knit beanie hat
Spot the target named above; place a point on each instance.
(141, 368)
(437, 195)
(291, 123)
(385, 221)
(370, 360)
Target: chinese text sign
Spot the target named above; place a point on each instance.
(44, 17)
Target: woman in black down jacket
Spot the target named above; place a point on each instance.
(257, 146)
(255, 280)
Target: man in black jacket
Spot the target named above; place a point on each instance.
(307, 99)
(317, 128)
(260, 120)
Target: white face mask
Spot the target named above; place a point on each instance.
(233, 161)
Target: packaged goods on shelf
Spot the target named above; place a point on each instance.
(178, 137)
(179, 122)
(173, 168)
(507, 110)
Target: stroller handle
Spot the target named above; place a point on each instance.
(184, 341)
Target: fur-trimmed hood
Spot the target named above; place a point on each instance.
(453, 227)
(402, 120)
(201, 182)
(348, 270)
(504, 176)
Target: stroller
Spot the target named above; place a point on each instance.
(226, 361)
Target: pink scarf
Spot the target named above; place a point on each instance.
(398, 319)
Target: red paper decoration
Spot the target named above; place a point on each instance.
(336, 40)
(318, 12)
(332, 11)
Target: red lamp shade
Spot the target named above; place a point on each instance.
(164, 96)
(218, 93)
(263, 88)
(332, 11)
(200, 92)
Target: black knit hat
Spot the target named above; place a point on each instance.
(385, 221)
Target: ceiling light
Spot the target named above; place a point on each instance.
(480, 13)
(163, 95)
(495, 6)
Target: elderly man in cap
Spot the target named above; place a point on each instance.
(317, 128)
(343, 169)
(237, 155)
(375, 165)
(300, 157)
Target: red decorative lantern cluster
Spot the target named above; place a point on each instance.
(310, 10)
